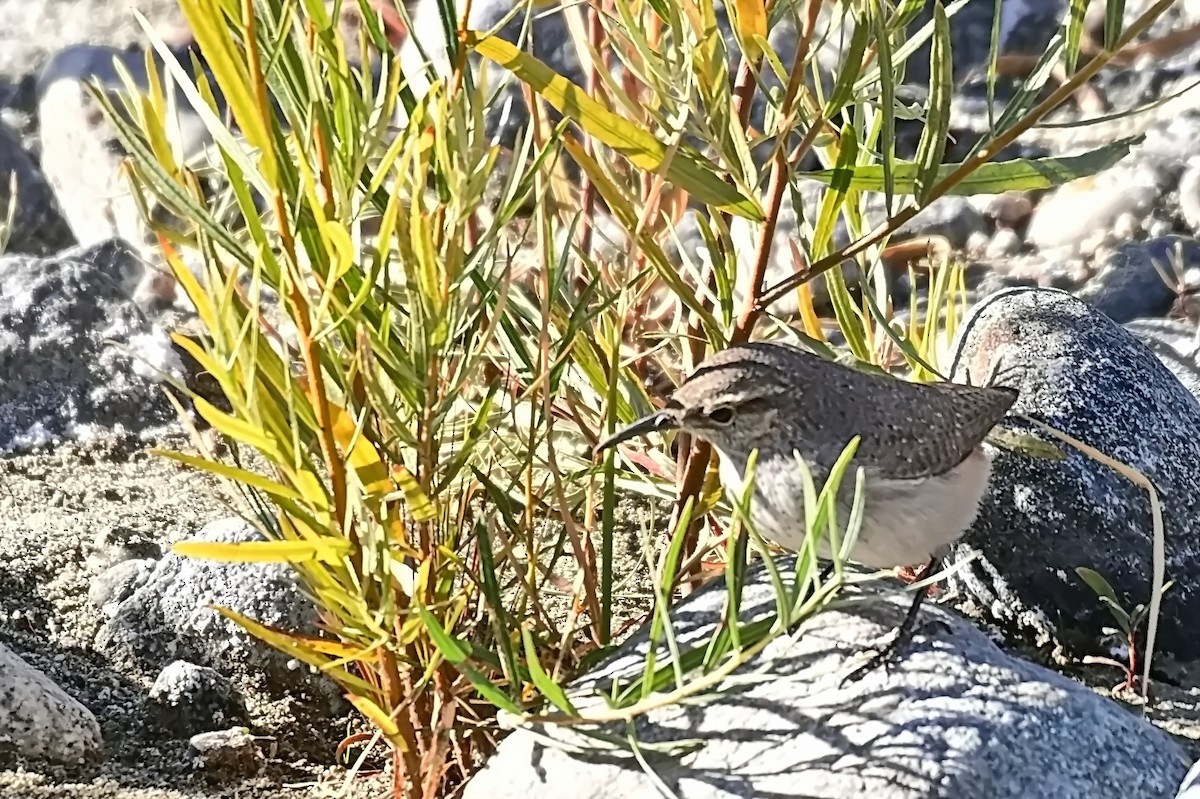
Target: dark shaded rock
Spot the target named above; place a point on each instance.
(1137, 280)
(190, 698)
(1083, 374)
(955, 718)
(169, 618)
(1190, 789)
(118, 582)
(76, 355)
(41, 721)
(112, 546)
(38, 227)
(227, 755)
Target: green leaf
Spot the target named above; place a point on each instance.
(1096, 582)
(1020, 174)
(843, 89)
(1106, 595)
(1114, 15)
(1075, 17)
(887, 92)
(541, 680)
(692, 173)
(840, 183)
(457, 651)
(937, 117)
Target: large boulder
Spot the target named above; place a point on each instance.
(1041, 519)
(956, 717)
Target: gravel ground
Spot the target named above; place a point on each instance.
(53, 506)
(33, 29)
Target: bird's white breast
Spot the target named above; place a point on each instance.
(905, 522)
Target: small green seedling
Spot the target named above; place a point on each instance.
(1128, 624)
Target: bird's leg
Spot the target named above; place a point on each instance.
(884, 655)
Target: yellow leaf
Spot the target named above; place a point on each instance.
(340, 249)
(235, 428)
(419, 505)
(235, 474)
(208, 26)
(751, 21)
(380, 719)
(696, 175)
(298, 647)
(195, 292)
(329, 550)
(362, 457)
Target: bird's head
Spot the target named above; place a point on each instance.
(733, 400)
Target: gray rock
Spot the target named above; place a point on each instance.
(1083, 374)
(1190, 789)
(40, 721)
(169, 617)
(955, 717)
(111, 546)
(81, 153)
(38, 227)
(77, 356)
(190, 698)
(226, 755)
(1140, 279)
(1175, 344)
(117, 583)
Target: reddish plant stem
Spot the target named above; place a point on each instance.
(694, 456)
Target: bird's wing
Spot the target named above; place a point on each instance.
(929, 429)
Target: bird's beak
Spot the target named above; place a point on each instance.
(662, 420)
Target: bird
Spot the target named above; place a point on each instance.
(920, 448)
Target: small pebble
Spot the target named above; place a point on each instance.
(226, 755)
(188, 697)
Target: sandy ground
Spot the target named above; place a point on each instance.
(52, 507)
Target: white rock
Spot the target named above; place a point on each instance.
(1083, 214)
(41, 721)
(956, 718)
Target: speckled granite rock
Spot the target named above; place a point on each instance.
(1080, 372)
(226, 755)
(76, 354)
(955, 718)
(192, 699)
(168, 618)
(1190, 789)
(39, 720)
(1138, 279)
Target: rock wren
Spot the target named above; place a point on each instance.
(920, 446)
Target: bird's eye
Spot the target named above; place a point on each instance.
(721, 415)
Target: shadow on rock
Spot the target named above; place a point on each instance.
(955, 717)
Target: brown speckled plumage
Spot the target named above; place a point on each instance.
(908, 430)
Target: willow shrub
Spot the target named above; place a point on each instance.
(426, 384)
